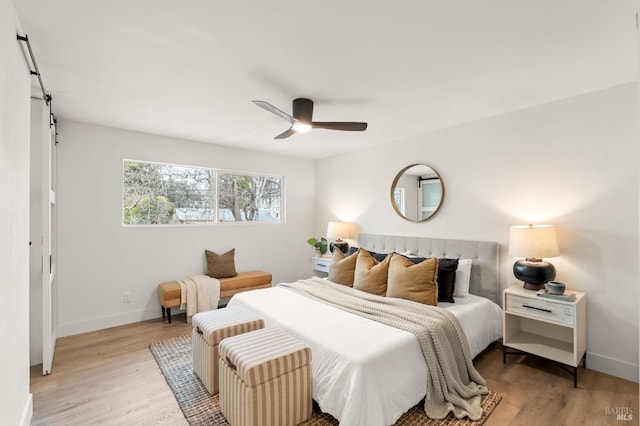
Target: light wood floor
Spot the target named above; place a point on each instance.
(109, 377)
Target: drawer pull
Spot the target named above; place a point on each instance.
(537, 309)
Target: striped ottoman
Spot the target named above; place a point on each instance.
(209, 328)
(265, 379)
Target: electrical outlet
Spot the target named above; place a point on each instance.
(126, 297)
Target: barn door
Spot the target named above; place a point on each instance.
(49, 286)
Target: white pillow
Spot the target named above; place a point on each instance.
(463, 275)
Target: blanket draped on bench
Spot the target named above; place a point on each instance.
(199, 293)
(453, 385)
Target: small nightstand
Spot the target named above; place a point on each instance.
(321, 265)
(549, 328)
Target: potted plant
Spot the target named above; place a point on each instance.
(319, 245)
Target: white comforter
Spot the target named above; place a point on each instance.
(365, 373)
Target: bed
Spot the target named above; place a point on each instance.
(368, 373)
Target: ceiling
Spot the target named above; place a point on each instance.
(191, 69)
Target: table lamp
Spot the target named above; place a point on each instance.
(338, 231)
(534, 242)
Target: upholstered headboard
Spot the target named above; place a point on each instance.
(484, 268)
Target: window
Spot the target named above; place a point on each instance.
(398, 197)
(248, 198)
(168, 194)
(165, 194)
(430, 196)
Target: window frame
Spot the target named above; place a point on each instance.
(216, 221)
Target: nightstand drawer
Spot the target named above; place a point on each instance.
(321, 264)
(542, 309)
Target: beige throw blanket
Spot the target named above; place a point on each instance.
(454, 385)
(199, 293)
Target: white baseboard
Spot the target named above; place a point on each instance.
(612, 366)
(93, 324)
(27, 413)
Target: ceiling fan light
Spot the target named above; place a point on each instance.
(301, 127)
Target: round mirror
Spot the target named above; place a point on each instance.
(417, 192)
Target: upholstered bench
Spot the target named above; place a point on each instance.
(244, 281)
(169, 292)
(265, 379)
(209, 328)
(169, 295)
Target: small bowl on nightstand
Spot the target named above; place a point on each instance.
(555, 287)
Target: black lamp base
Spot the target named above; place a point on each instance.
(532, 286)
(343, 246)
(534, 273)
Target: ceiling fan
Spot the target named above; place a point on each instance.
(302, 121)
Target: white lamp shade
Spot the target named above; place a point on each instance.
(339, 230)
(533, 241)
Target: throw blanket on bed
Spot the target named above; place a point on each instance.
(199, 293)
(454, 385)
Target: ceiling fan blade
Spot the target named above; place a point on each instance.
(340, 125)
(290, 131)
(274, 110)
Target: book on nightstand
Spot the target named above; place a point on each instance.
(566, 297)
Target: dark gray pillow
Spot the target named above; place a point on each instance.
(377, 256)
(446, 279)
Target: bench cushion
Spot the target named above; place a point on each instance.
(169, 294)
(222, 323)
(244, 281)
(262, 355)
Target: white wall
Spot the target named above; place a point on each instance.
(15, 399)
(572, 163)
(99, 259)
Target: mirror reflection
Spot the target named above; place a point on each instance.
(417, 192)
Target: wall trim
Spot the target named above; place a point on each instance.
(99, 323)
(612, 366)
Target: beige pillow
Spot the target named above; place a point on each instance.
(371, 275)
(342, 268)
(417, 282)
(221, 265)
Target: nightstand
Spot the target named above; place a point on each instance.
(549, 328)
(321, 265)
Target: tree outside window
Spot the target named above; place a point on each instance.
(249, 198)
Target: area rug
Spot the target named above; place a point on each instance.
(174, 359)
